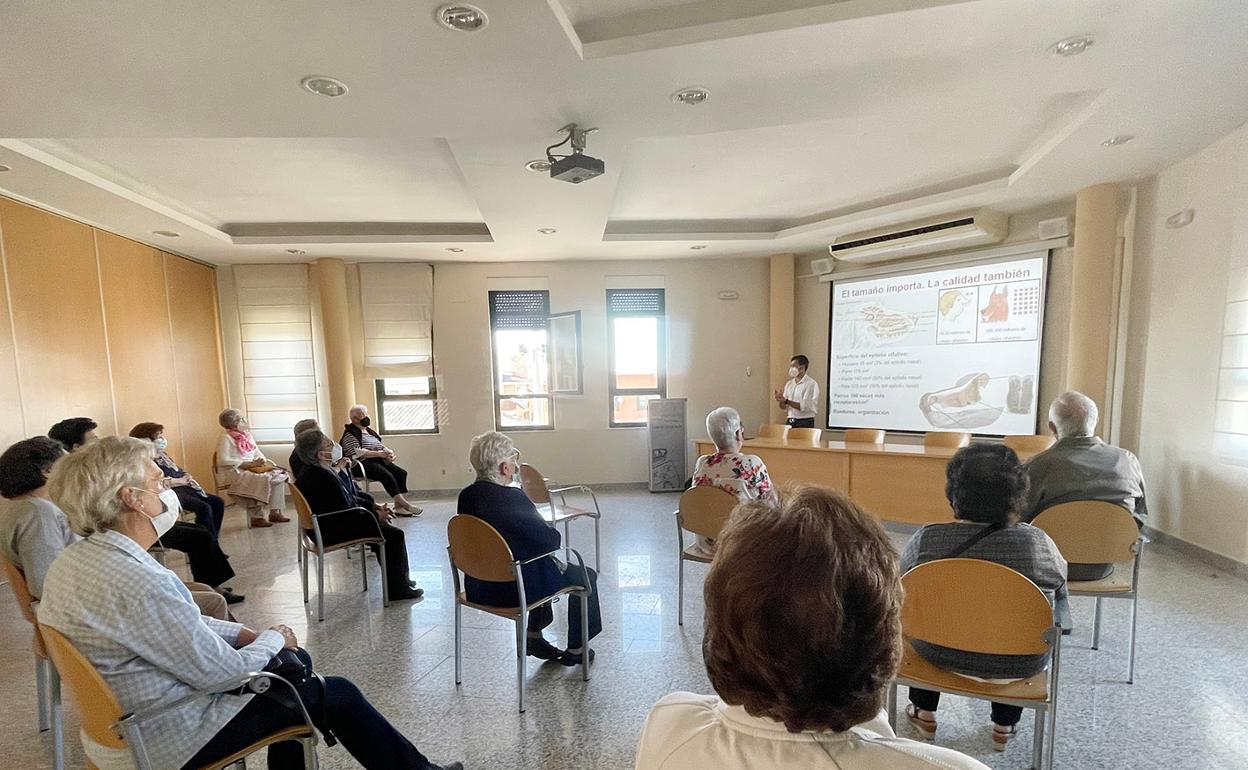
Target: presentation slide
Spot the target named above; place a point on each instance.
(946, 349)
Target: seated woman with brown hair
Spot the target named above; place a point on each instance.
(803, 635)
(208, 509)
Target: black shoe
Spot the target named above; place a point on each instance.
(540, 648)
(574, 658)
(408, 593)
(231, 597)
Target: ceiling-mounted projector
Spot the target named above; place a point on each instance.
(578, 166)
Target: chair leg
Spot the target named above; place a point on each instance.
(680, 591)
(1052, 736)
(309, 754)
(303, 566)
(320, 587)
(891, 706)
(41, 690)
(1096, 626)
(56, 717)
(364, 565)
(585, 636)
(459, 649)
(522, 623)
(597, 545)
(385, 584)
(1131, 655)
(1037, 741)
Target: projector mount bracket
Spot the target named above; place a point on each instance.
(576, 135)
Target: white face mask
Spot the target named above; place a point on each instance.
(335, 453)
(793, 372)
(164, 521)
(161, 443)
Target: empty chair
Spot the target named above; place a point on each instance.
(316, 546)
(479, 551)
(804, 435)
(1099, 532)
(703, 511)
(864, 436)
(1029, 445)
(47, 681)
(946, 439)
(773, 430)
(534, 485)
(980, 606)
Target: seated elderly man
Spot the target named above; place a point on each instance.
(507, 509)
(34, 530)
(360, 442)
(1082, 467)
(742, 475)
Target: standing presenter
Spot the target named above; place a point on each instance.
(800, 394)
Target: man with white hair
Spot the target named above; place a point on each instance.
(506, 508)
(742, 475)
(1082, 467)
(361, 442)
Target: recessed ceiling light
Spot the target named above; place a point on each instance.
(167, 233)
(455, 250)
(547, 230)
(1072, 46)
(295, 251)
(462, 17)
(699, 247)
(324, 86)
(539, 166)
(5, 168)
(1115, 141)
(691, 96)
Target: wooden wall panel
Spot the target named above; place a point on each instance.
(58, 322)
(12, 426)
(197, 362)
(140, 347)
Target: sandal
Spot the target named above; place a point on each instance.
(1002, 735)
(926, 727)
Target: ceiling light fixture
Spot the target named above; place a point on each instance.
(462, 17)
(296, 251)
(455, 250)
(691, 96)
(5, 168)
(1072, 46)
(167, 233)
(699, 247)
(324, 86)
(1116, 141)
(539, 166)
(547, 230)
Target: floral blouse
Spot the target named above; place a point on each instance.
(743, 475)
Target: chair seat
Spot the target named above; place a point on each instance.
(1118, 582)
(310, 545)
(915, 670)
(693, 554)
(287, 734)
(512, 612)
(562, 512)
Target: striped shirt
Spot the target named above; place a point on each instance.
(368, 442)
(136, 623)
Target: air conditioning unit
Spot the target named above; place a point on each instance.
(975, 228)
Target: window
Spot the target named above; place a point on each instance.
(1230, 417)
(636, 351)
(519, 325)
(407, 405)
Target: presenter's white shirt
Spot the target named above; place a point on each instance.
(805, 394)
(685, 731)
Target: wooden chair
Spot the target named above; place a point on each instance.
(218, 486)
(864, 436)
(534, 485)
(1028, 444)
(804, 436)
(47, 681)
(1099, 532)
(946, 439)
(106, 725)
(773, 431)
(479, 551)
(703, 511)
(980, 606)
(314, 545)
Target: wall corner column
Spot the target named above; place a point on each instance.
(330, 276)
(1094, 296)
(780, 310)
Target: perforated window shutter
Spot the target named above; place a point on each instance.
(519, 309)
(635, 301)
(397, 300)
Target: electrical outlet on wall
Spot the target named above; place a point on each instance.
(749, 371)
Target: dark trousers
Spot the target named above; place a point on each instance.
(209, 564)
(341, 708)
(356, 524)
(209, 509)
(1001, 713)
(574, 576)
(801, 422)
(391, 476)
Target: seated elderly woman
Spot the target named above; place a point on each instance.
(135, 622)
(508, 509)
(803, 635)
(987, 487)
(255, 482)
(327, 490)
(742, 475)
(208, 509)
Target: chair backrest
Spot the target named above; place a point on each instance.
(976, 606)
(17, 582)
(1028, 444)
(302, 509)
(773, 430)
(864, 436)
(804, 435)
(97, 706)
(1091, 531)
(533, 484)
(947, 439)
(478, 550)
(705, 510)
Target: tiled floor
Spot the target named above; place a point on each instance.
(1187, 709)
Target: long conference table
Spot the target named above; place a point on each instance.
(896, 482)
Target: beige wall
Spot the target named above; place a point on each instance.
(1178, 304)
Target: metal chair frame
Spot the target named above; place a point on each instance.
(362, 480)
(555, 518)
(316, 545)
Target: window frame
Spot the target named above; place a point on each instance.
(379, 387)
(499, 397)
(661, 354)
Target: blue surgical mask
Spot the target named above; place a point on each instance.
(161, 443)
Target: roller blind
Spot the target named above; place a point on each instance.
(519, 309)
(397, 300)
(275, 325)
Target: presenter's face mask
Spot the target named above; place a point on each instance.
(793, 372)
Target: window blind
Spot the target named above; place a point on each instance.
(275, 326)
(397, 300)
(635, 301)
(519, 309)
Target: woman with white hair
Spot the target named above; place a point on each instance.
(506, 508)
(135, 622)
(255, 481)
(727, 468)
